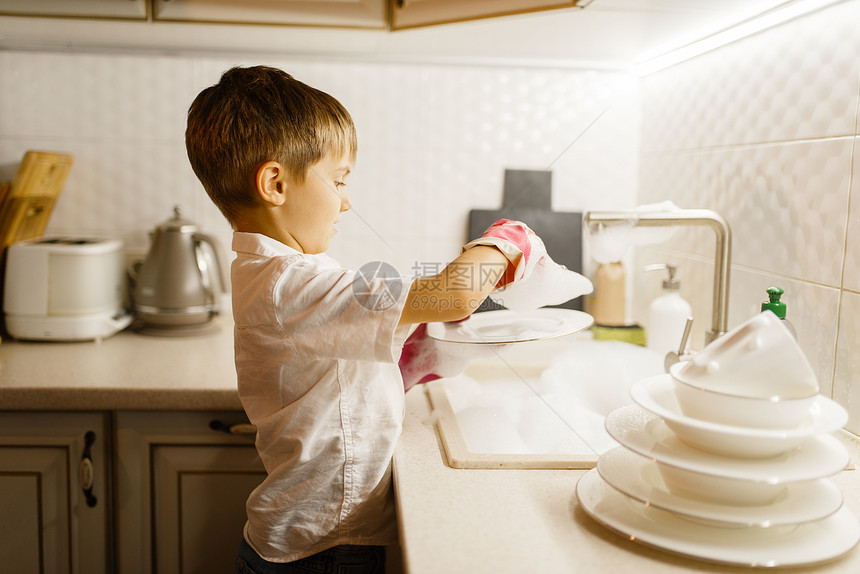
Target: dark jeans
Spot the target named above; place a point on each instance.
(338, 560)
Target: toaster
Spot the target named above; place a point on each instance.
(65, 289)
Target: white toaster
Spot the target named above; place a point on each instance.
(65, 289)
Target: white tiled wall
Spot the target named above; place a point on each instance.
(433, 142)
(765, 131)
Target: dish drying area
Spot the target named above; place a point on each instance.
(635, 477)
(725, 456)
(523, 520)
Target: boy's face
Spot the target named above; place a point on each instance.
(315, 205)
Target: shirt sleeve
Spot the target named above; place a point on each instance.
(337, 313)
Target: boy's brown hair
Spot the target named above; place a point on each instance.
(259, 114)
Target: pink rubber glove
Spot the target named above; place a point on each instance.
(515, 240)
(533, 279)
(425, 359)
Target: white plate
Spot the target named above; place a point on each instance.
(496, 327)
(647, 434)
(657, 394)
(639, 477)
(791, 545)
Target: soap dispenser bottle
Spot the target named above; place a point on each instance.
(668, 314)
(778, 307)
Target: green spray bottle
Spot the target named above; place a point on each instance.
(778, 307)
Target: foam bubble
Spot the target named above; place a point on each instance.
(561, 411)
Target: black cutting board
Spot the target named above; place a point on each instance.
(527, 199)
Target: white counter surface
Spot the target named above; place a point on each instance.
(513, 521)
(128, 371)
(451, 520)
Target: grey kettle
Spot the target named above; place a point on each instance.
(179, 283)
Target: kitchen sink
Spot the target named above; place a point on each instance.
(537, 405)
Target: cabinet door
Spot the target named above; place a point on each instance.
(337, 13)
(51, 522)
(199, 495)
(414, 13)
(181, 483)
(121, 9)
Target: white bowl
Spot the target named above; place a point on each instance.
(759, 359)
(739, 410)
(657, 395)
(718, 489)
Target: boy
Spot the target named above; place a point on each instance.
(316, 364)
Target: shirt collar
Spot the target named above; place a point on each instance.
(259, 244)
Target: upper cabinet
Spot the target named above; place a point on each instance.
(114, 9)
(332, 13)
(415, 13)
(374, 29)
(361, 14)
(393, 14)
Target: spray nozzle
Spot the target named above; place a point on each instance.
(671, 282)
(773, 303)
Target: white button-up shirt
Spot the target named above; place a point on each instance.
(316, 356)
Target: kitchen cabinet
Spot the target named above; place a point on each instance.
(414, 13)
(134, 492)
(121, 9)
(182, 479)
(368, 14)
(332, 13)
(54, 496)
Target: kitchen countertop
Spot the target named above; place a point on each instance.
(513, 521)
(451, 520)
(128, 371)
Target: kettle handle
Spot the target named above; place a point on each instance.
(216, 251)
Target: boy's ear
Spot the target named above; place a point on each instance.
(271, 182)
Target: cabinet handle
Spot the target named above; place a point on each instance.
(86, 473)
(240, 428)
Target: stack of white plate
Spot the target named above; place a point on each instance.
(714, 468)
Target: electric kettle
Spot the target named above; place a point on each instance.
(179, 283)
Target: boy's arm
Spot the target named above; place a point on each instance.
(458, 290)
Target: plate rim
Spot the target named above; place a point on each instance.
(715, 554)
(438, 330)
(641, 461)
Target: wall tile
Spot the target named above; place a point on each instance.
(87, 96)
(794, 81)
(847, 378)
(531, 119)
(786, 203)
(433, 142)
(851, 277)
(117, 189)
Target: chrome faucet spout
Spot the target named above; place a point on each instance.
(594, 220)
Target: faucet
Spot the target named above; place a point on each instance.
(684, 218)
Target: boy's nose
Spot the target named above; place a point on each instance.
(345, 203)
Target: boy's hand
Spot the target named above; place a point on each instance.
(517, 242)
(422, 360)
(532, 279)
